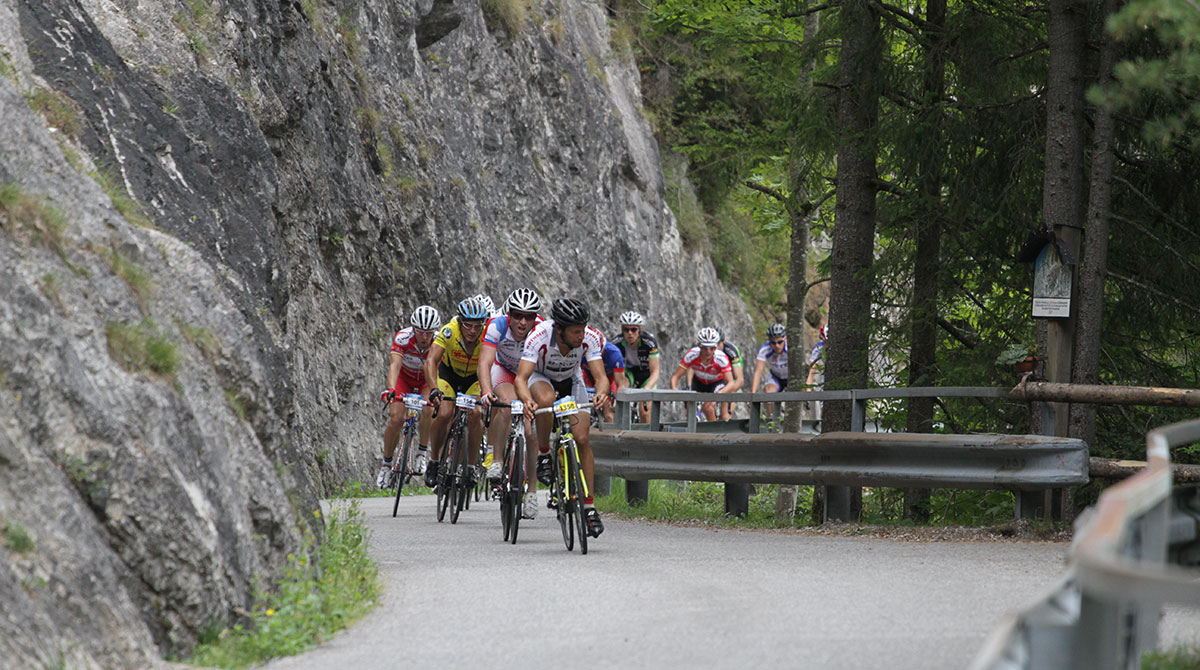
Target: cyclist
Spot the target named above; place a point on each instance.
(710, 368)
(772, 359)
(739, 375)
(503, 342)
(488, 305)
(816, 373)
(641, 356)
(614, 368)
(406, 374)
(453, 363)
(549, 370)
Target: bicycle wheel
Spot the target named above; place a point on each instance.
(458, 488)
(578, 492)
(445, 475)
(402, 467)
(515, 491)
(559, 491)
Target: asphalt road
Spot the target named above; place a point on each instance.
(652, 596)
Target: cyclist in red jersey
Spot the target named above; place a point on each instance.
(712, 372)
(406, 374)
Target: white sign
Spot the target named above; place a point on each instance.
(1051, 285)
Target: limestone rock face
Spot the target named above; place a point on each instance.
(215, 215)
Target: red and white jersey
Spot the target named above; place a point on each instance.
(541, 349)
(499, 336)
(710, 372)
(405, 344)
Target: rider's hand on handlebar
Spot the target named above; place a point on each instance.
(601, 401)
(530, 408)
(487, 399)
(388, 396)
(435, 395)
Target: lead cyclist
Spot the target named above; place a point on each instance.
(550, 369)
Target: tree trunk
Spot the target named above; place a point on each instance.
(1086, 368)
(1062, 194)
(846, 352)
(922, 360)
(799, 212)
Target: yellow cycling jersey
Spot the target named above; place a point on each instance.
(461, 357)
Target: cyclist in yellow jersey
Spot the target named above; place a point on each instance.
(453, 361)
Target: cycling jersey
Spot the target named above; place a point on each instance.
(413, 366)
(733, 353)
(543, 352)
(817, 351)
(499, 336)
(637, 356)
(614, 364)
(706, 373)
(462, 358)
(777, 362)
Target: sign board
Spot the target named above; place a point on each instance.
(1051, 285)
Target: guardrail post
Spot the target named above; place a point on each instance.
(655, 415)
(637, 492)
(737, 495)
(837, 498)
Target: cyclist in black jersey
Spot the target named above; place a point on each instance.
(735, 359)
(641, 356)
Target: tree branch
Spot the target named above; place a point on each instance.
(808, 287)
(956, 333)
(1040, 46)
(1151, 289)
(767, 190)
(1166, 247)
(1154, 206)
(808, 10)
(889, 187)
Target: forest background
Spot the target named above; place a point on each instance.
(906, 153)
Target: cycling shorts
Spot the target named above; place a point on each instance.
(406, 384)
(501, 375)
(637, 378)
(772, 379)
(701, 387)
(451, 383)
(572, 387)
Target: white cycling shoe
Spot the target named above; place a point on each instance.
(529, 508)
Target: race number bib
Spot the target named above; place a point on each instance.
(414, 401)
(518, 407)
(565, 407)
(465, 401)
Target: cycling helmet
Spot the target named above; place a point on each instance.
(425, 318)
(523, 300)
(473, 308)
(632, 319)
(486, 300)
(569, 312)
(825, 331)
(776, 330)
(708, 337)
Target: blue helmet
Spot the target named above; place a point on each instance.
(473, 308)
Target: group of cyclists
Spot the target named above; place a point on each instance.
(514, 353)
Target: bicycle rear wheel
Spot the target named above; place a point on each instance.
(402, 466)
(559, 491)
(516, 489)
(577, 496)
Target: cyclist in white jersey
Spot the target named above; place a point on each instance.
(503, 344)
(773, 360)
(550, 369)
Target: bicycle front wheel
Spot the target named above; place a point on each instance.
(458, 479)
(515, 491)
(445, 476)
(578, 494)
(402, 467)
(559, 491)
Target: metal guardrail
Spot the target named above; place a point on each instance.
(852, 459)
(1104, 612)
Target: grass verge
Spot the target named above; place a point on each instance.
(360, 490)
(1179, 658)
(310, 603)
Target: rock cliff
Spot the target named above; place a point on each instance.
(216, 212)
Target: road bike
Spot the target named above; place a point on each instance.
(452, 486)
(402, 470)
(568, 489)
(510, 489)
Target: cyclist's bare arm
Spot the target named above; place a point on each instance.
(739, 379)
(487, 358)
(524, 369)
(652, 380)
(728, 388)
(679, 373)
(758, 371)
(394, 369)
(596, 367)
(436, 351)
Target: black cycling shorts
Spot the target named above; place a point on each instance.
(461, 384)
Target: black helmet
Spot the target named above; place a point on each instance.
(776, 330)
(569, 312)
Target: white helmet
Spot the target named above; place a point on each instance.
(486, 300)
(632, 319)
(523, 300)
(776, 330)
(825, 332)
(425, 318)
(708, 337)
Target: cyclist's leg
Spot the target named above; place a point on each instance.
(438, 430)
(772, 386)
(502, 388)
(543, 394)
(391, 434)
(474, 427)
